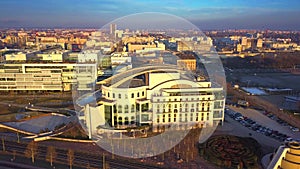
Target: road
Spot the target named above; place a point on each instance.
(82, 158)
(12, 165)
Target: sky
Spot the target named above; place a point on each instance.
(205, 14)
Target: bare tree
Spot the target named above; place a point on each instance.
(51, 154)
(71, 157)
(14, 155)
(31, 151)
(3, 144)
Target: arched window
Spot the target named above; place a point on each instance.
(120, 120)
(126, 121)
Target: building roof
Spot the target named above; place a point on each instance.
(123, 78)
(186, 55)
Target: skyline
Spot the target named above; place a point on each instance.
(215, 14)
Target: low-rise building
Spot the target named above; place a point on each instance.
(46, 76)
(187, 60)
(54, 56)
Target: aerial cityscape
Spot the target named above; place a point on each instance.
(167, 84)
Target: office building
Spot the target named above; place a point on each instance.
(113, 28)
(46, 76)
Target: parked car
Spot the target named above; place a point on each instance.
(239, 118)
(289, 139)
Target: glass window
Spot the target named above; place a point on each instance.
(119, 108)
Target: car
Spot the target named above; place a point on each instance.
(289, 139)
(273, 135)
(280, 134)
(268, 133)
(252, 122)
(239, 118)
(237, 114)
(247, 125)
(295, 129)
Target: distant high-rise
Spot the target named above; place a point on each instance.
(113, 28)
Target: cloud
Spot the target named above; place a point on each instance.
(283, 20)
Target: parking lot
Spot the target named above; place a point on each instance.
(233, 127)
(264, 123)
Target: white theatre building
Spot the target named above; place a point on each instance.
(155, 96)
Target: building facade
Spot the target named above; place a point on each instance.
(46, 77)
(158, 97)
(286, 157)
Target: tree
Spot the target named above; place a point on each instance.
(31, 150)
(51, 154)
(3, 144)
(71, 157)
